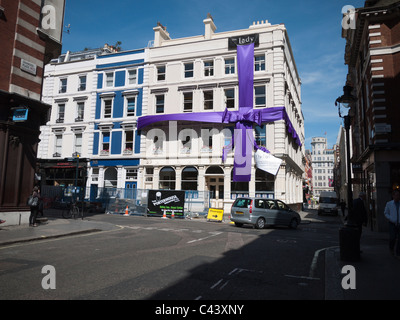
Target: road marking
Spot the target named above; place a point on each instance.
(301, 277)
(213, 234)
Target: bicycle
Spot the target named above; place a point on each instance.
(72, 211)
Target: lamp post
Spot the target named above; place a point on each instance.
(76, 156)
(345, 101)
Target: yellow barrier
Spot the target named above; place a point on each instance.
(215, 214)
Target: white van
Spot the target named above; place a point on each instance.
(328, 203)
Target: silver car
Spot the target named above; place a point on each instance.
(261, 212)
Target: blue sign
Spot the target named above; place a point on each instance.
(20, 114)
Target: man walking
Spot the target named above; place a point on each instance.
(392, 214)
(358, 216)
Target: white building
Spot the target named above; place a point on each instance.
(322, 165)
(199, 74)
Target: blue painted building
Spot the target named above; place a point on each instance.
(118, 104)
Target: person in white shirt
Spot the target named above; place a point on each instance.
(393, 215)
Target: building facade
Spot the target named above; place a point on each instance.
(199, 74)
(322, 166)
(27, 45)
(96, 97)
(373, 58)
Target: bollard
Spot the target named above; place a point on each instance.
(349, 240)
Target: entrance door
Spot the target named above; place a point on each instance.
(130, 190)
(215, 185)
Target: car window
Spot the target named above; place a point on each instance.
(259, 203)
(269, 204)
(282, 206)
(242, 203)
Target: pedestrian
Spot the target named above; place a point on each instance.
(392, 214)
(343, 206)
(358, 216)
(35, 207)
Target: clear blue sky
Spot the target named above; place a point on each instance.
(314, 29)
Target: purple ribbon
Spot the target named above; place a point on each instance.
(243, 119)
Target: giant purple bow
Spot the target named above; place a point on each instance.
(243, 119)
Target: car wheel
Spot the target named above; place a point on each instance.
(260, 224)
(293, 223)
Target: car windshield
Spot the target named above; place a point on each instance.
(327, 200)
(242, 203)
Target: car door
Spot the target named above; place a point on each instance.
(284, 216)
(271, 212)
(259, 208)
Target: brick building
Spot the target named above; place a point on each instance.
(373, 58)
(30, 35)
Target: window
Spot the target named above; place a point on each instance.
(259, 63)
(78, 143)
(132, 76)
(63, 85)
(160, 73)
(82, 83)
(189, 70)
(187, 101)
(186, 145)
(110, 79)
(61, 113)
(208, 68)
(131, 174)
(260, 135)
(128, 147)
(208, 100)
(105, 143)
(107, 107)
(260, 96)
(229, 98)
(230, 66)
(130, 106)
(160, 103)
(167, 179)
(189, 178)
(80, 110)
(58, 145)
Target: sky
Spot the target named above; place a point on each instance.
(314, 29)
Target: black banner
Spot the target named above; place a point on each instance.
(233, 42)
(166, 201)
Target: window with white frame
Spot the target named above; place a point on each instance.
(189, 70)
(160, 101)
(78, 143)
(105, 142)
(230, 66)
(261, 135)
(131, 174)
(63, 85)
(95, 174)
(259, 63)
(60, 113)
(187, 101)
(160, 73)
(82, 83)
(132, 76)
(80, 111)
(128, 142)
(208, 99)
(107, 107)
(58, 145)
(109, 79)
(130, 106)
(229, 98)
(208, 68)
(260, 96)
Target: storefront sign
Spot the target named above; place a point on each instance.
(28, 67)
(233, 42)
(20, 114)
(166, 201)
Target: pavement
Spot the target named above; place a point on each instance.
(377, 273)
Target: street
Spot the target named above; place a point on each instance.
(156, 259)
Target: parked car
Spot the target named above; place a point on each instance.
(328, 203)
(261, 212)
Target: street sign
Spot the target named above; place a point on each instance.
(166, 201)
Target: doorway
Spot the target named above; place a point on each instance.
(215, 185)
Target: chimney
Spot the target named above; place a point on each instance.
(209, 27)
(160, 35)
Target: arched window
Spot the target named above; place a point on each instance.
(167, 179)
(214, 170)
(189, 178)
(110, 178)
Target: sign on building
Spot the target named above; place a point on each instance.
(166, 202)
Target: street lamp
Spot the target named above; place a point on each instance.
(345, 101)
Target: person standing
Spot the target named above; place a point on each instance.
(393, 215)
(35, 207)
(358, 216)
